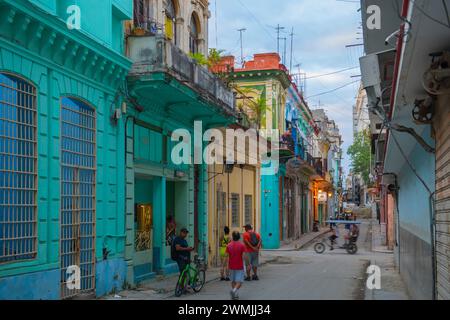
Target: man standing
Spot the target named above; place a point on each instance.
(252, 242)
(181, 252)
(236, 251)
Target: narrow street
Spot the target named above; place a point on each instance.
(150, 143)
(298, 275)
(302, 275)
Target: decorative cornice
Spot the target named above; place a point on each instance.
(24, 24)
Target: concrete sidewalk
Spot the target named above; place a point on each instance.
(392, 286)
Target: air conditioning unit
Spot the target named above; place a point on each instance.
(376, 76)
(371, 76)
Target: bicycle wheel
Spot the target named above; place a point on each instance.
(352, 248)
(199, 281)
(319, 247)
(181, 285)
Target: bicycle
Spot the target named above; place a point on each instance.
(350, 247)
(193, 275)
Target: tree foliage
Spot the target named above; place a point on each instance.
(360, 155)
(255, 107)
(214, 57)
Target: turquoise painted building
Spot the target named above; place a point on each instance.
(167, 91)
(62, 148)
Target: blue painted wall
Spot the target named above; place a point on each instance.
(414, 251)
(44, 285)
(110, 276)
(413, 197)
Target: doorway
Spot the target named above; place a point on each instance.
(78, 178)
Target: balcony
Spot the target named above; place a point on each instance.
(318, 165)
(153, 54)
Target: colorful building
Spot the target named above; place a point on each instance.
(300, 119)
(261, 87)
(234, 195)
(292, 199)
(62, 158)
(328, 156)
(168, 91)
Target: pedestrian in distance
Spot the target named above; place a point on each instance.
(252, 242)
(236, 251)
(224, 241)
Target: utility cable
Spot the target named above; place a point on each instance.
(429, 16)
(331, 73)
(331, 91)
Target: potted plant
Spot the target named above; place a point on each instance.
(138, 31)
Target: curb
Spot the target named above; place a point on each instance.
(319, 234)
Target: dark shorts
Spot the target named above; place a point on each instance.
(182, 263)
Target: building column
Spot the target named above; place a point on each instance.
(159, 223)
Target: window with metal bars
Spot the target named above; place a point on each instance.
(248, 208)
(235, 210)
(18, 169)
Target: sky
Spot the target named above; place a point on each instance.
(322, 30)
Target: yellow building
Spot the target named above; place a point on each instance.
(233, 199)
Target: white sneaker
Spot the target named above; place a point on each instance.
(236, 296)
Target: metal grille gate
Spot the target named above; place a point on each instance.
(18, 168)
(78, 169)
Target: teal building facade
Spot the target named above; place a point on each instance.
(62, 148)
(169, 92)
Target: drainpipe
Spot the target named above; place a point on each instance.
(399, 51)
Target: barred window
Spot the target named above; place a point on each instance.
(235, 212)
(248, 208)
(18, 169)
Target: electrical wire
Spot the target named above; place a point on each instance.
(429, 16)
(331, 73)
(409, 163)
(256, 19)
(446, 11)
(334, 90)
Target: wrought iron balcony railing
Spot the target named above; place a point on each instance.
(152, 54)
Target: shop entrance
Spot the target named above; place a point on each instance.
(176, 213)
(144, 227)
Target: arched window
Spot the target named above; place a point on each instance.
(18, 169)
(194, 32)
(170, 23)
(78, 175)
